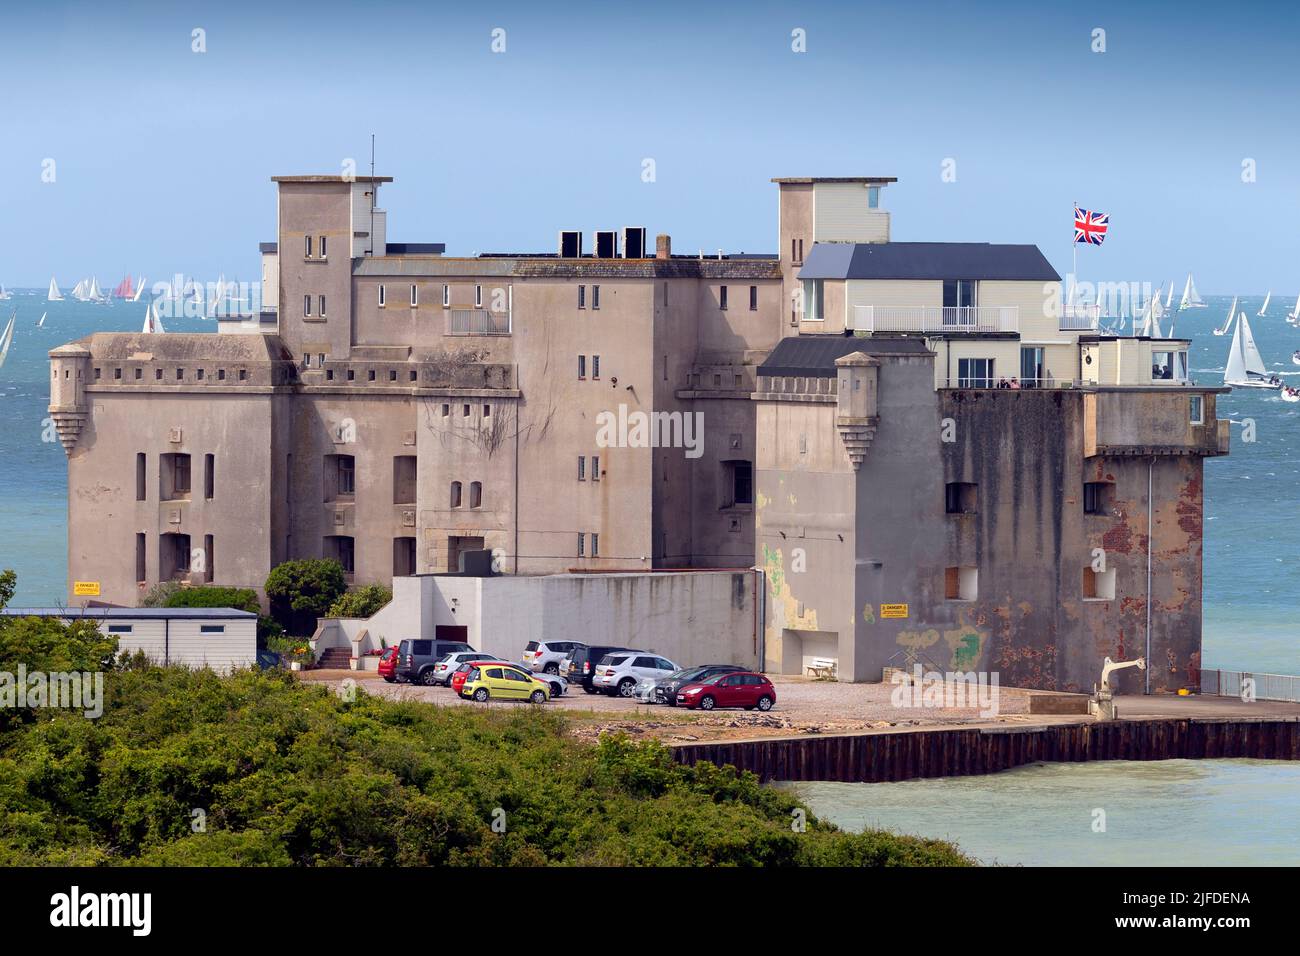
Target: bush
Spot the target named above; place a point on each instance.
(361, 602)
(207, 595)
(301, 591)
(286, 772)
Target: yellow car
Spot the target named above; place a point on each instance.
(502, 682)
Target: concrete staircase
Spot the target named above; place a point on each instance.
(335, 658)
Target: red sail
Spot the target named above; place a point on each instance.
(125, 289)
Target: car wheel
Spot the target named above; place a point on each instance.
(556, 690)
(765, 703)
(538, 697)
(481, 694)
(626, 687)
(590, 690)
(551, 668)
(390, 680)
(706, 702)
(427, 678)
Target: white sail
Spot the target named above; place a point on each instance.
(139, 290)
(41, 321)
(1264, 308)
(1169, 296)
(152, 321)
(79, 290)
(1227, 323)
(5, 293)
(1295, 313)
(1235, 371)
(95, 292)
(56, 296)
(1249, 352)
(7, 338)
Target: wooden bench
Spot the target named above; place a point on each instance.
(822, 667)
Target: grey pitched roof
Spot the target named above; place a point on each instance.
(815, 355)
(927, 260)
(136, 613)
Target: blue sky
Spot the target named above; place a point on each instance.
(164, 156)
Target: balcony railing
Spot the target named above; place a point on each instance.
(1080, 318)
(938, 319)
(477, 322)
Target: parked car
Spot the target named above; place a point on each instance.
(457, 679)
(619, 673)
(559, 685)
(492, 681)
(665, 690)
(388, 664)
(545, 656)
(744, 689)
(580, 663)
(447, 664)
(416, 658)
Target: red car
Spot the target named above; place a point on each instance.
(741, 689)
(459, 675)
(388, 664)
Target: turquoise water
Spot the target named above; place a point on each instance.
(1156, 813)
(1252, 528)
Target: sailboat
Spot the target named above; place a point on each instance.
(125, 289)
(1227, 323)
(1295, 312)
(5, 293)
(41, 321)
(95, 294)
(152, 323)
(1264, 308)
(7, 337)
(1169, 296)
(1191, 299)
(1245, 365)
(57, 296)
(139, 290)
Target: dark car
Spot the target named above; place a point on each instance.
(666, 689)
(579, 667)
(415, 658)
(744, 689)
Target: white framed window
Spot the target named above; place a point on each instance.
(446, 296)
(1196, 409)
(582, 545)
(595, 545)
(415, 295)
(321, 251)
(306, 305)
(582, 468)
(595, 297)
(582, 296)
(306, 249)
(322, 306)
(813, 290)
(478, 297)
(595, 468)
(383, 296)
(595, 366)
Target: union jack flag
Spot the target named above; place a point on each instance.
(1090, 226)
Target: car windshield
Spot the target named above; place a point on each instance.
(686, 673)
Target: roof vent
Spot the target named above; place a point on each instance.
(570, 244)
(606, 244)
(634, 242)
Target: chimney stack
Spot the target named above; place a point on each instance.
(663, 246)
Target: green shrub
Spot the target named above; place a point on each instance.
(301, 591)
(361, 602)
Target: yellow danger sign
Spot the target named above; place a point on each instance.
(85, 588)
(893, 610)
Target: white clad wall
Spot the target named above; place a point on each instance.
(184, 643)
(841, 214)
(147, 636)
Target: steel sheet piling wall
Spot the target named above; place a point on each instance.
(875, 758)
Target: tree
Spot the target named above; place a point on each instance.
(301, 591)
(241, 599)
(361, 602)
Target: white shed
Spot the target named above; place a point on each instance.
(219, 637)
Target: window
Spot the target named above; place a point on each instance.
(415, 296)
(383, 296)
(404, 474)
(392, 375)
(221, 375)
(306, 305)
(1098, 585)
(595, 367)
(595, 468)
(753, 298)
(175, 476)
(464, 410)
(446, 296)
(975, 373)
(243, 375)
(352, 374)
(722, 298)
(957, 294)
(207, 559)
(141, 571)
(209, 476)
(403, 557)
(139, 374)
(322, 247)
(873, 197)
(813, 293)
(119, 628)
(1098, 497)
(342, 549)
(306, 252)
(322, 307)
(1196, 409)
(738, 483)
(1169, 366)
(960, 497)
(582, 467)
(595, 545)
(212, 628)
(582, 296)
(455, 494)
(582, 366)
(117, 375)
(157, 375)
(180, 375)
(139, 477)
(961, 583)
(446, 409)
(476, 494)
(582, 545)
(595, 297)
(340, 476)
(370, 375)
(487, 411)
(478, 297)
(1033, 372)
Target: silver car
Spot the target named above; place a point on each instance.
(545, 656)
(619, 673)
